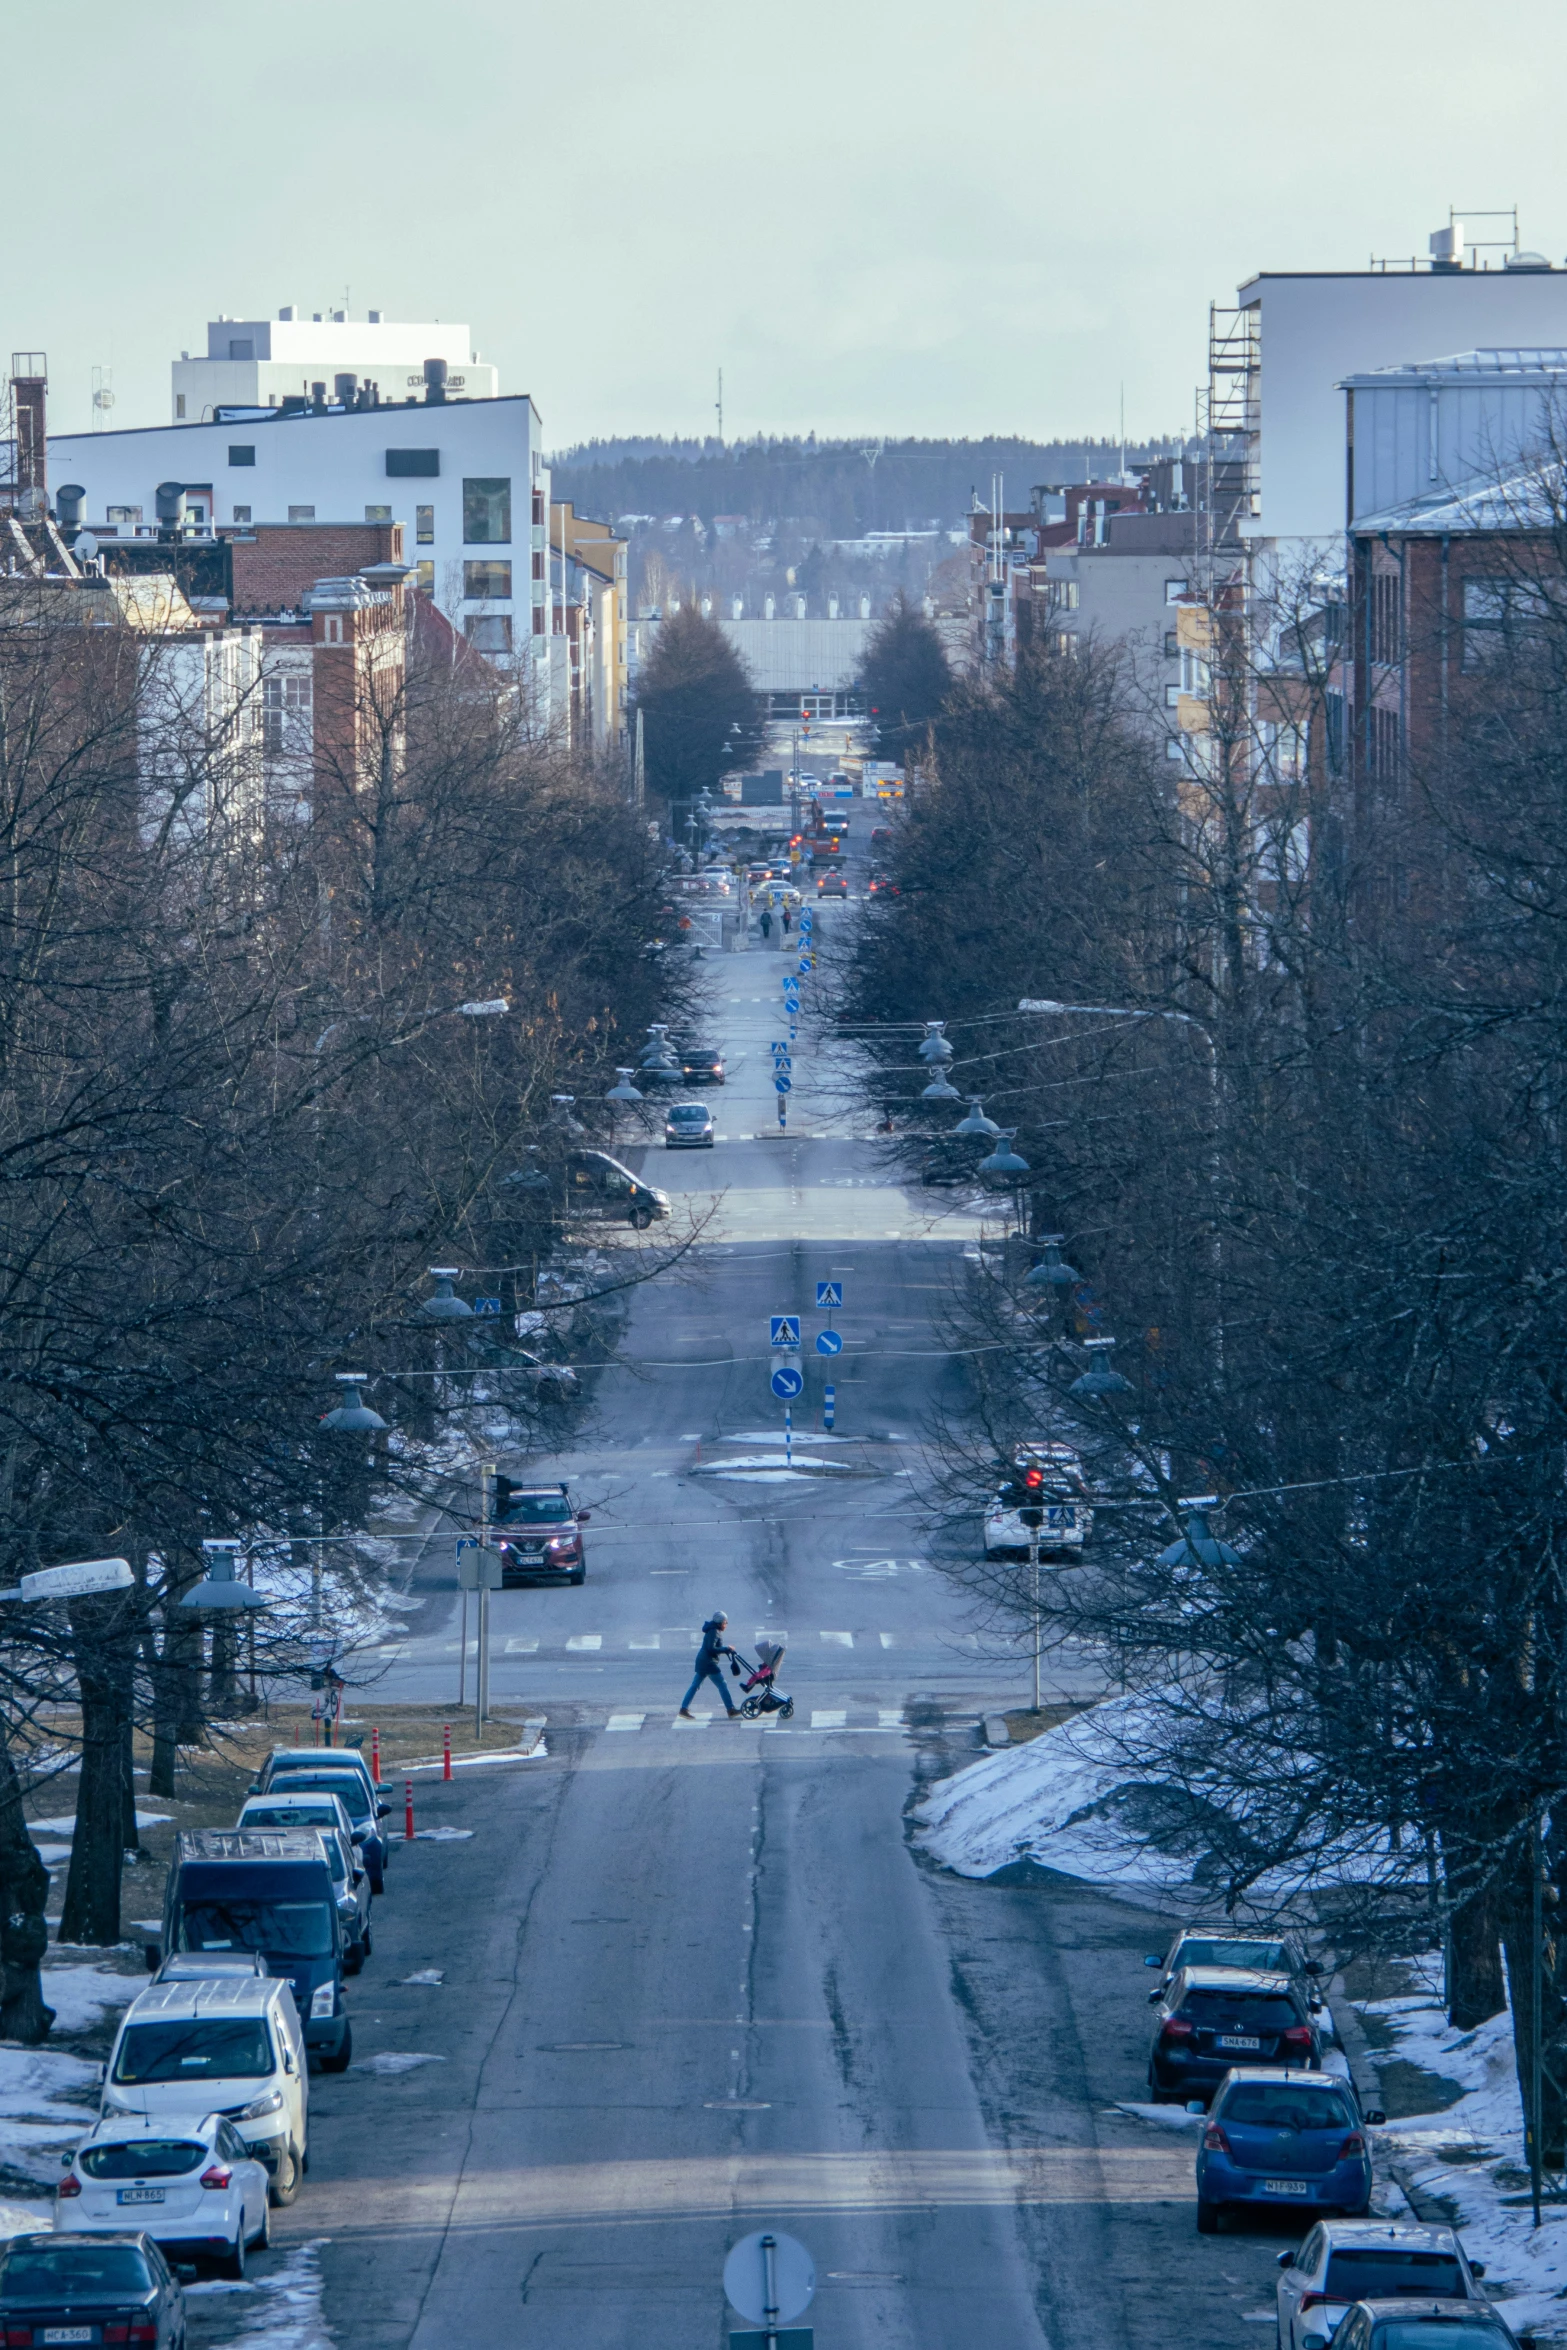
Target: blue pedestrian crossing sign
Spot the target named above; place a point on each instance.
(785, 1329)
(829, 1293)
(829, 1342)
(787, 1382)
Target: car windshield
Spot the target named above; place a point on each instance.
(536, 1509)
(42, 2267)
(1436, 2333)
(1217, 1950)
(349, 1789)
(1363, 2272)
(196, 2048)
(1268, 2105)
(1251, 2011)
(286, 1929)
(288, 1815)
(143, 2158)
(688, 1117)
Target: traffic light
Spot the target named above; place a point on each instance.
(1032, 1512)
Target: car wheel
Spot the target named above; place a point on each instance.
(579, 1577)
(233, 2262)
(368, 1946)
(641, 1218)
(1208, 2217)
(284, 2187)
(344, 2057)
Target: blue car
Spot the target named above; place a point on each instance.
(1295, 2140)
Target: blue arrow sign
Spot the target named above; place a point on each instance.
(829, 1293)
(829, 1342)
(782, 1083)
(785, 1329)
(787, 1382)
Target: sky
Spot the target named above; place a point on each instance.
(876, 216)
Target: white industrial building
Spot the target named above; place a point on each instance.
(466, 478)
(261, 362)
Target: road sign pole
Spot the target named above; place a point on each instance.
(829, 1404)
(770, 2291)
(462, 1655)
(788, 1436)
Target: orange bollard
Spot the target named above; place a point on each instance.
(446, 1750)
(375, 1758)
(408, 1809)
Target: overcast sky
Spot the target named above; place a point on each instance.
(875, 215)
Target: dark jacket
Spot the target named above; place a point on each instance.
(714, 1646)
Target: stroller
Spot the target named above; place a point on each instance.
(758, 1694)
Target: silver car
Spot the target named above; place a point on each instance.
(688, 1126)
(1343, 2261)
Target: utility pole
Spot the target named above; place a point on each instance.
(720, 407)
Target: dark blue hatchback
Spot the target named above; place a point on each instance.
(1292, 2139)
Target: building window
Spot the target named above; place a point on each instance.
(242, 453)
(486, 511)
(412, 464)
(123, 518)
(1385, 632)
(1174, 748)
(241, 347)
(1172, 645)
(1063, 594)
(424, 526)
(1066, 645)
(1333, 714)
(301, 514)
(538, 509)
(242, 514)
(378, 514)
(424, 579)
(1284, 751)
(1496, 612)
(1196, 678)
(488, 632)
(285, 714)
(179, 403)
(486, 581)
(1174, 590)
(1172, 696)
(1385, 743)
(538, 562)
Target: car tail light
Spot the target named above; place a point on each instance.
(69, 2185)
(1215, 2140)
(1311, 2301)
(1178, 2028)
(1298, 2036)
(116, 2333)
(20, 2337)
(219, 2176)
(141, 2331)
(1353, 2144)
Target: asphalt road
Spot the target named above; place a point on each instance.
(693, 1978)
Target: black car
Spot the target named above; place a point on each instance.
(89, 2289)
(1411, 2324)
(1211, 2019)
(597, 1185)
(702, 1064)
(1271, 1954)
(539, 1534)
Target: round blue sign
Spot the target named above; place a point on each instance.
(782, 1084)
(829, 1342)
(787, 1383)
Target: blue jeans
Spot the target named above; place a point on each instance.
(715, 1674)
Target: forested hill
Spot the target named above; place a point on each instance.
(840, 489)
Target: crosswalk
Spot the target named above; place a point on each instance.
(887, 1720)
(670, 1639)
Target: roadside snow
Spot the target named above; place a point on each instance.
(389, 2062)
(79, 1994)
(288, 2312)
(47, 2101)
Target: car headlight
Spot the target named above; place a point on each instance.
(272, 2102)
(322, 1998)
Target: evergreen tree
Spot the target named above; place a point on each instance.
(905, 678)
(701, 715)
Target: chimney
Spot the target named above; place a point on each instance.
(435, 382)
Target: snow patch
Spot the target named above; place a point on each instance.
(79, 1994)
(389, 2062)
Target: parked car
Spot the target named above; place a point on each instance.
(1274, 1954)
(322, 1809)
(333, 1771)
(1411, 2323)
(266, 1889)
(688, 1126)
(205, 1966)
(1346, 2260)
(188, 2049)
(539, 1534)
(597, 1185)
(197, 2191)
(90, 2289)
(1046, 1476)
(1282, 2137)
(1213, 2018)
(702, 1064)
(281, 1759)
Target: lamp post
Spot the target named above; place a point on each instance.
(1100, 1379)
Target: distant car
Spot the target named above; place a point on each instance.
(331, 1772)
(1213, 2018)
(194, 2186)
(1049, 1477)
(880, 887)
(880, 835)
(322, 1809)
(688, 1126)
(118, 2288)
(1275, 1954)
(1295, 2139)
(832, 885)
(539, 1534)
(702, 1064)
(1346, 2260)
(597, 1185)
(1418, 2324)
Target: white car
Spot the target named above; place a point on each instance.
(191, 2184)
(1051, 1476)
(1343, 2261)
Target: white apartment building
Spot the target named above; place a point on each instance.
(261, 362)
(466, 478)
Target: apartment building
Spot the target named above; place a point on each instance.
(265, 362)
(591, 562)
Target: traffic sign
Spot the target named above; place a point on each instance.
(785, 1329)
(829, 1294)
(787, 1382)
(781, 1083)
(770, 2278)
(829, 1342)
(486, 1305)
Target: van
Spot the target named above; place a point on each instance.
(230, 2045)
(597, 1185)
(266, 1889)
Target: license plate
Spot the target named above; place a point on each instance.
(1234, 2040)
(1286, 2186)
(140, 2195)
(70, 2333)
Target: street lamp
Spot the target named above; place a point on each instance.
(933, 1045)
(353, 1415)
(1052, 1271)
(222, 1593)
(625, 1091)
(1100, 1379)
(1199, 1546)
(939, 1090)
(445, 1306)
(78, 1579)
(976, 1126)
(1003, 1166)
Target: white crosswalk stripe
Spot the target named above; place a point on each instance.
(625, 1721)
(839, 1639)
(585, 1640)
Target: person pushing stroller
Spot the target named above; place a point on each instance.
(710, 1666)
